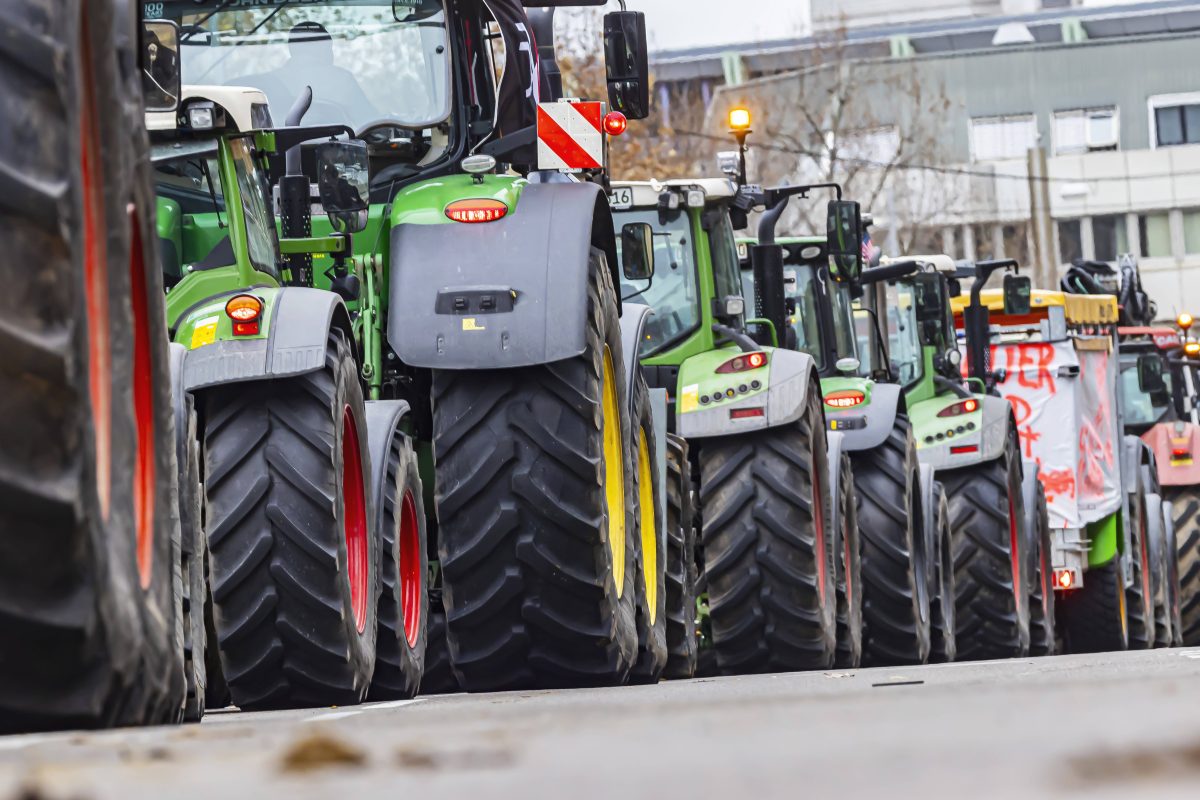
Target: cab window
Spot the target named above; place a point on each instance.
(261, 237)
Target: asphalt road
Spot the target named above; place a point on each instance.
(1120, 725)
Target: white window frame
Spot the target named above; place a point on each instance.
(1089, 146)
(1165, 101)
(1023, 117)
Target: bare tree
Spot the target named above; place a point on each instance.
(869, 124)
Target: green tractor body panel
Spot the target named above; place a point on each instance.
(206, 322)
(425, 202)
(698, 378)
(1105, 538)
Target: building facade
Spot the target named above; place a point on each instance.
(1048, 136)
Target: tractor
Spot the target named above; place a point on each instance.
(470, 280)
(777, 552)
(96, 626)
(1158, 391)
(968, 434)
(1058, 366)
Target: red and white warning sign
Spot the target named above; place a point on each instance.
(570, 135)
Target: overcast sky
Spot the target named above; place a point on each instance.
(692, 23)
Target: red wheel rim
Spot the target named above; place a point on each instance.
(818, 506)
(410, 569)
(1014, 549)
(354, 500)
(95, 275)
(143, 405)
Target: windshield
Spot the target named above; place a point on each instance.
(1138, 406)
(800, 285)
(904, 344)
(674, 292)
(363, 65)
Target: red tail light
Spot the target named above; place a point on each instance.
(615, 123)
(848, 398)
(746, 413)
(963, 449)
(958, 409)
(477, 210)
(743, 363)
(1064, 578)
(245, 311)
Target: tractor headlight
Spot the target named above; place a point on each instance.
(200, 117)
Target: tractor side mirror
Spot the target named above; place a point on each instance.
(845, 234)
(1150, 374)
(344, 183)
(162, 79)
(637, 251)
(1017, 292)
(627, 62)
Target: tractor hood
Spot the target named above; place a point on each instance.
(1176, 447)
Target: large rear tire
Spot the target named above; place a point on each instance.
(944, 646)
(768, 559)
(90, 593)
(1185, 500)
(681, 575)
(652, 559)
(993, 583)
(535, 508)
(402, 640)
(849, 575)
(1094, 618)
(194, 561)
(896, 602)
(1043, 637)
(291, 533)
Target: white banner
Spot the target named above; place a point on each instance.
(1063, 402)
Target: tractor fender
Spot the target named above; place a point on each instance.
(503, 294)
(835, 446)
(869, 426)
(384, 418)
(929, 486)
(633, 322)
(1029, 484)
(1156, 541)
(792, 376)
(997, 425)
(301, 319)
(176, 356)
(1166, 437)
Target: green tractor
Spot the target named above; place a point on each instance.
(465, 271)
(777, 553)
(902, 516)
(968, 434)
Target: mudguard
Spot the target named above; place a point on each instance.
(995, 425)
(1029, 484)
(792, 377)
(633, 322)
(870, 425)
(835, 445)
(928, 521)
(383, 423)
(176, 355)
(301, 319)
(1156, 546)
(509, 293)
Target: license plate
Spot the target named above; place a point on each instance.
(621, 198)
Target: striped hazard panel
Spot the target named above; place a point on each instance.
(569, 136)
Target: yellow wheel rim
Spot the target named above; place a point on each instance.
(649, 530)
(614, 470)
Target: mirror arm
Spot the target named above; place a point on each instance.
(947, 385)
(888, 272)
(770, 327)
(743, 341)
(640, 292)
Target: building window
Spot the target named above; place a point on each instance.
(1154, 231)
(1016, 243)
(1070, 240)
(1086, 130)
(985, 247)
(1175, 119)
(1109, 236)
(994, 138)
(1191, 231)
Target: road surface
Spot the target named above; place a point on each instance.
(1113, 726)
